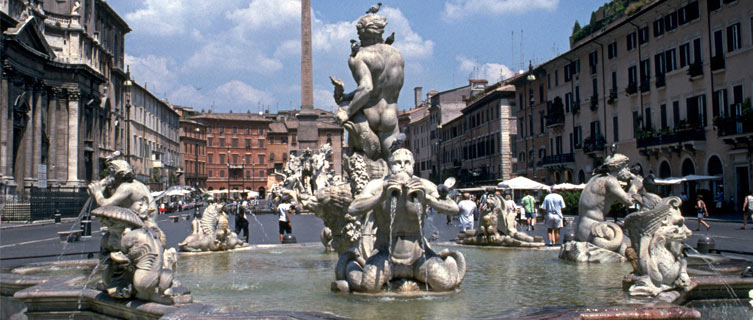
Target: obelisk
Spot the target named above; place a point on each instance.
(308, 132)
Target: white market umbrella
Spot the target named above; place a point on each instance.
(522, 183)
(569, 186)
(693, 177)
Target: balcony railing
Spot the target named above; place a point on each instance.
(695, 69)
(612, 96)
(717, 63)
(670, 137)
(661, 80)
(632, 88)
(575, 109)
(555, 119)
(593, 144)
(728, 126)
(594, 103)
(558, 159)
(645, 85)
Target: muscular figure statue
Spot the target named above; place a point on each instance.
(600, 193)
(399, 203)
(125, 192)
(370, 112)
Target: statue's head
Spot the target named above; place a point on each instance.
(616, 162)
(401, 160)
(120, 169)
(371, 27)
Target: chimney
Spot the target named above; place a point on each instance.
(417, 96)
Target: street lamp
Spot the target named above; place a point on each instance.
(439, 152)
(196, 152)
(530, 79)
(228, 174)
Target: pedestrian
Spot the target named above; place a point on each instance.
(241, 223)
(700, 208)
(467, 211)
(553, 204)
(283, 216)
(529, 204)
(747, 210)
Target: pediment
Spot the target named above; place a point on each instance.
(27, 34)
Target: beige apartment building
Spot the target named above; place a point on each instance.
(669, 85)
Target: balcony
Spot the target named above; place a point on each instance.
(669, 136)
(593, 144)
(632, 88)
(645, 85)
(695, 70)
(575, 109)
(594, 102)
(729, 126)
(555, 119)
(559, 159)
(661, 81)
(717, 63)
(612, 96)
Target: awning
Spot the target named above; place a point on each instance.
(691, 177)
(522, 183)
(569, 186)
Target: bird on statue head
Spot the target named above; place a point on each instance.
(390, 39)
(374, 9)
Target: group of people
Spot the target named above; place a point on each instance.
(551, 206)
(284, 210)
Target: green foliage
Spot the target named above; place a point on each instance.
(636, 6)
(576, 27)
(572, 197)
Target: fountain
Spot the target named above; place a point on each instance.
(375, 220)
(211, 232)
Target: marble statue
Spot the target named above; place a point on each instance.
(401, 253)
(657, 236)
(498, 226)
(369, 113)
(597, 240)
(132, 252)
(211, 232)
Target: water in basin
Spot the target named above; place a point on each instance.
(499, 282)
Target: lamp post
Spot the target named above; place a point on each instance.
(228, 174)
(439, 153)
(530, 79)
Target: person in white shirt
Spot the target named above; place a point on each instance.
(283, 214)
(747, 210)
(553, 204)
(467, 210)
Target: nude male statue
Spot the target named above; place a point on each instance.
(400, 246)
(370, 112)
(600, 193)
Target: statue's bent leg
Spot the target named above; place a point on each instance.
(372, 277)
(444, 272)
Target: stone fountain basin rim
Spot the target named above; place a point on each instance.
(405, 295)
(252, 247)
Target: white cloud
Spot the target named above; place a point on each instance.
(223, 56)
(242, 94)
(492, 72)
(173, 17)
(337, 35)
(324, 100)
(155, 71)
(288, 48)
(458, 9)
(266, 14)
(411, 45)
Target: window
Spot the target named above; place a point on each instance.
(671, 59)
(548, 81)
(643, 35)
(734, 39)
(593, 61)
(719, 106)
(718, 44)
(210, 141)
(658, 27)
(636, 124)
(684, 55)
(612, 50)
(578, 136)
(271, 156)
(659, 64)
(235, 158)
(568, 101)
(737, 101)
(567, 72)
(234, 142)
(648, 124)
(714, 4)
(556, 78)
(261, 159)
(645, 71)
(541, 121)
(663, 119)
(614, 81)
(222, 142)
(675, 112)
(633, 75)
(615, 129)
(248, 143)
(210, 158)
(222, 158)
(210, 173)
(222, 173)
(261, 143)
(670, 21)
(696, 110)
(284, 140)
(630, 40)
(541, 93)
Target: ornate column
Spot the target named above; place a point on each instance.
(36, 152)
(5, 123)
(73, 140)
(52, 133)
(28, 137)
(61, 144)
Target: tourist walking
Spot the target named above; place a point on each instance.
(702, 211)
(529, 204)
(553, 205)
(283, 216)
(467, 211)
(747, 210)
(241, 223)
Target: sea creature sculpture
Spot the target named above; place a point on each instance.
(657, 238)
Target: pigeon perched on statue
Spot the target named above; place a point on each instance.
(374, 9)
(354, 47)
(390, 39)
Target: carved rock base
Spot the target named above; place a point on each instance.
(470, 238)
(578, 251)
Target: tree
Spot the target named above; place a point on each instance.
(576, 27)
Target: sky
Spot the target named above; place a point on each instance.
(244, 55)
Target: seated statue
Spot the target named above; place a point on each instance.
(498, 225)
(659, 267)
(597, 240)
(398, 203)
(211, 232)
